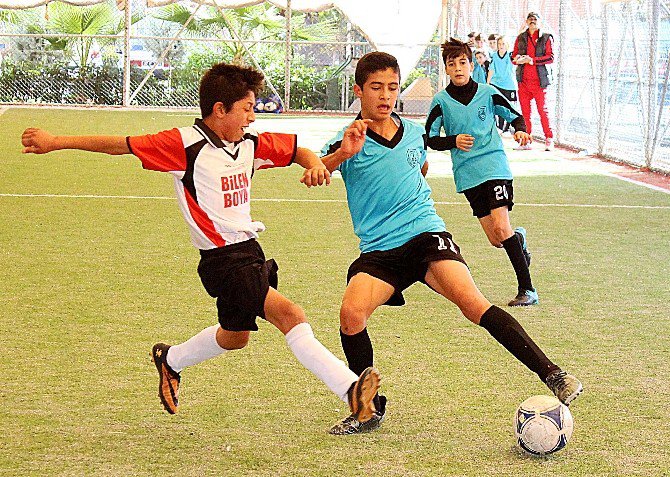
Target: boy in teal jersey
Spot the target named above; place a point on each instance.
(466, 111)
(503, 78)
(483, 71)
(382, 158)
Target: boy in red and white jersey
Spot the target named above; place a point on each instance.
(212, 163)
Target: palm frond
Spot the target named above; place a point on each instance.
(177, 13)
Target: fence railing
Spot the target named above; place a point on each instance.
(611, 64)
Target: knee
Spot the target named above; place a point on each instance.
(230, 340)
(353, 318)
(237, 343)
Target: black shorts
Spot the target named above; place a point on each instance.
(490, 195)
(509, 94)
(402, 266)
(239, 277)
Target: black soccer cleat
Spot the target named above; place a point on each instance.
(351, 425)
(168, 384)
(565, 386)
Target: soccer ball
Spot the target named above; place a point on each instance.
(543, 425)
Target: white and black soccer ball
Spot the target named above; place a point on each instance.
(543, 425)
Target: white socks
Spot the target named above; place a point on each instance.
(309, 351)
(321, 362)
(197, 349)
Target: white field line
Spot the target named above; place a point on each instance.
(640, 183)
(334, 201)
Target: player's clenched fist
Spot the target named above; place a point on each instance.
(354, 137)
(37, 141)
(465, 142)
(522, 138)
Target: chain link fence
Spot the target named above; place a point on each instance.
(610, 96)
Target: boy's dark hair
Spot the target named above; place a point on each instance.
(493, 36)
(227, 84)
(454, 49)
(373, 62)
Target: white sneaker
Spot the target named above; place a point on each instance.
(527, 147)
(549, 144)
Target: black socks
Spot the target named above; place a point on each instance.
(509, 333)
(358, 350)
(514, 251)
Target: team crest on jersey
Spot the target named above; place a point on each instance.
(481, 114)
(413, 157)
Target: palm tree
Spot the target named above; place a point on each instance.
(253, 24)
(100, 19)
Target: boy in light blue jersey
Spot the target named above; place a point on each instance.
(503, 78)
(382, 158)
(402, 206)
(483, 71)
(466, 111)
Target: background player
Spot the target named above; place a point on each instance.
(503, 79)
(382, 159)
(466, 111)
(212, 163)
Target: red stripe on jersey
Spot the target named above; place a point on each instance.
(163, 152)
(203, 221)
(277, 147)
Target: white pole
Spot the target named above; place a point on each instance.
(287, 63)
(126, 53)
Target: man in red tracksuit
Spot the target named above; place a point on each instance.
(532, 53)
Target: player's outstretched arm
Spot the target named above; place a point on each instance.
(38, 141)
(315, 171)
(352, 142)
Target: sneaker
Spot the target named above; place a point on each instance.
(564, 386)
(527, 147)
(362, 393)
(168, 384)
(525, 298)
(521, 232)
(351, 425)
(549, 144)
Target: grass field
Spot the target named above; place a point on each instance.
(91, 278)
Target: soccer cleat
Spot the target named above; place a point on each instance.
(351, 425)
(548, 144)
(525, 298)
(521, 232)
(362, 393)
(168, 384)
(564, 386)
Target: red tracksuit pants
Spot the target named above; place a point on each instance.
(528, 92)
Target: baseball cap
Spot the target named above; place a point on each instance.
(533, 14)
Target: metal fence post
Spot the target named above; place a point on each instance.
(654, 20)
(604, 79)
(563, 11)
(445, 33)
(287, 63)
(126, 53)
